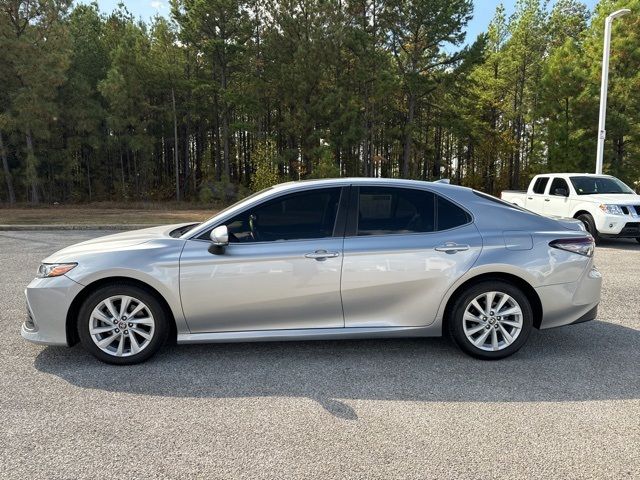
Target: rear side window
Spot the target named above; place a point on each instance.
(449, 215)
(390, 210)
(540, 185)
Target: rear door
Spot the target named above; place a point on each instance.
(404, 248)
(536, 198)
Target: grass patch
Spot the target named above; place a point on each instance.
(105, 214)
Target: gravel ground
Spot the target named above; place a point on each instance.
(566, 406)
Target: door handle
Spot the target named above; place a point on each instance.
(547, 200)
(451, 247)
(321, 255)
(529, 198)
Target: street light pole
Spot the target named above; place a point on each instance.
(602, 133)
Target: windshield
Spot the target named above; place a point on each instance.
(596, 185)
(193, 227)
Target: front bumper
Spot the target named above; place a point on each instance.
(628, 230)
(48, 301)
(573, 302)
(621, 226)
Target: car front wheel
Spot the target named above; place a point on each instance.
(491, 320)
(122, 324)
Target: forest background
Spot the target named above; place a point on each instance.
(224, 97)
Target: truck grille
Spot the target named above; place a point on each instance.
(630, 209)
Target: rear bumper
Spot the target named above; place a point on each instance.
(48, 301)
(587, 317)
(571, 303)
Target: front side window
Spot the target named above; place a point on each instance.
(595, 185)
(297, 216)
(559, 187)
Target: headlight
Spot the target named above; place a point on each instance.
(47, 270)
(611, 209)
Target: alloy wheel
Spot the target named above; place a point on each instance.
(492, 321)
(121, 325)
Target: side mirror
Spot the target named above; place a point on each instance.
(562, 192)
(219, 239)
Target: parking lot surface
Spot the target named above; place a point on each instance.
(566, 406)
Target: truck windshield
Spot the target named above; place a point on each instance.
(595, 185)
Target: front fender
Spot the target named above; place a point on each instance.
(155, 263)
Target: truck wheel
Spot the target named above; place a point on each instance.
(590, 225)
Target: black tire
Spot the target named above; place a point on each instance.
(638, 239)
(160, 329)
(455, 322)
(590, 225)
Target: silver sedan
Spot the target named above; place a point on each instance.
(326, 259)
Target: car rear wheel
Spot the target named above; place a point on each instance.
(491, 320)
(590, 225)
(122, 324)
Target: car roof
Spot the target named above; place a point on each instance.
(573, 175)
(367, 181)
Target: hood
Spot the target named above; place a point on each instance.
(110, 243)
(613, 199)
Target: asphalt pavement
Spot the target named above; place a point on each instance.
(566, 406)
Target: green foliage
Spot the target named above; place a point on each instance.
(265, 162)
(325, 166)
(231, 96)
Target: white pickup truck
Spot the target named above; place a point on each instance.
(606, 206)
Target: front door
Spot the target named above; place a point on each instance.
(281, 269)
(557, 203)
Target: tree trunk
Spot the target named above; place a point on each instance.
(7, 173)
(406, 151)
(175, 143)
(225, 126)
(32, 168)
(86, 159)
(122, 172)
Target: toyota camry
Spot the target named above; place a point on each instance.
(322, 259)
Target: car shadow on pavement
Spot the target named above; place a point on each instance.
(592, 361)
(619, 244)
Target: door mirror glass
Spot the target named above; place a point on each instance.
(220, 236)
(562, 192)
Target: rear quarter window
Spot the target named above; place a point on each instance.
(449, 215)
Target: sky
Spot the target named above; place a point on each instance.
(482, 14)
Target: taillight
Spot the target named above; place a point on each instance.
(581, 245)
